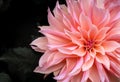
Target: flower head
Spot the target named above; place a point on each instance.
(82, 42)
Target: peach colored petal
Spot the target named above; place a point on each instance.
(101, 34)
(92, 32)
(110, 46)
(93, 53)
(88, 64)
(80, 51)
(85, 22)
(94, 76)
(39, 44)
(103, 59)
(100, 49)
(102, 73)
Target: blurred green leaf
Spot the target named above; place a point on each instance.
(4, 77)
(20, 61)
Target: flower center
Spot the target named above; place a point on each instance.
(89, 45)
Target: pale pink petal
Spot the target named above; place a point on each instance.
(54, 22)
(100, 17)
(87, 6)
(110, 46)
(115, 13)
(100, 4)
(85, 76)
(77, 78)
(70, 63)
(49, 70)
(40, 44)
(64, 50)
(62, 74)
(114, 38)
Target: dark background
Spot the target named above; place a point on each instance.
(18, 28)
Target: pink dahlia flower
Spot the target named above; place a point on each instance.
(82, 42)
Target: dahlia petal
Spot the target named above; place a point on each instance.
(114, 31)
(77, 78)
(100, 4)
(75, 37)
(100, 16)
(110, 46)
(77, 68)
(113, 78)
(85, 76)
(115, 65)
(100, 49)
(88, 64)
(101, 34)
(115, 69)
(54, 22)
(80, 51)
(114, 38)
(93, 53)
(48, 70)
(39, 44)
(94, 76)
(62, 74)
(57, 12)
(103, 59)
(55, 37)
(92, 32)
(85, 22)
(70, 63)
(102, 73)
(115, 13)
(65, 51)
(87, 6)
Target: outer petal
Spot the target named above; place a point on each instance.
(88, 64)
(102, 73)
(110, 46)
(80, 51)
(49, 70)
(40, 44)
(77, 68)
(103, 59)
(100, 17)
(94, 75)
